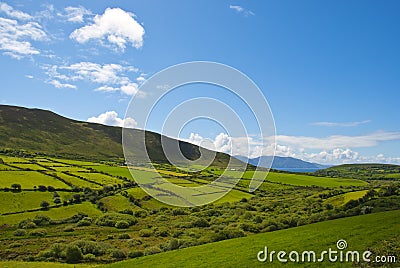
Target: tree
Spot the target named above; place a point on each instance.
(44, 204)
(16, 187)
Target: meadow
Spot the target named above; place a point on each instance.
(53, 205)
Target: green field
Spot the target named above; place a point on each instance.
(296, 179)
(342, 199)
(360, 232)
(14, 202)
(54, 213)
(28, 179)
(105, 192)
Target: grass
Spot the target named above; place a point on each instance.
(297, 179)
(118, 203)
(342, 199)
(13, 202)
(99, 178)
(54, 213)
(76, 181)
(18, 264)
(29, 166)
(360, 232)
(28, 179)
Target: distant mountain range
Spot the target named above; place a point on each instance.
(283, 163)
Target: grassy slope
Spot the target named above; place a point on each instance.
(43, 131)
(360, 232)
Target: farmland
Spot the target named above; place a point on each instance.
(50, 204)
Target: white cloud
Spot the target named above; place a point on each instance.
(115, 26)
(75, 14)
(29, 76)
(12, 13)
(58, 84)
(340, 124)
(338, 141)
(15, 37)
(303, 147)
(111, 118)
(242, 10)
(111, 77)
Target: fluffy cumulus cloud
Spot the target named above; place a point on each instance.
(115, 27)
(75, 14)
(111, 118)
(17, 33)
(109, 77)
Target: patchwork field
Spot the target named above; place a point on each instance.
(49, 205)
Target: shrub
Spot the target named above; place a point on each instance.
(134, 242)
(83, 222)
(152, 250)
(41, 220)
(117, 254)
(178, 211)
(173, 244)
(89, 257)
(122, 224)
(73, 254)
(145, 233)
(200, 222)
(124, 236)
(44, 205)
(91, 247)
(110, 219)
(19, 232)
(163, 232)
(26, 224)
(135, 254)
(38, 232)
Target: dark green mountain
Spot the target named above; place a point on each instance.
(45, 132)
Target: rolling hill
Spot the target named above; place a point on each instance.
(372, 171)
(360, 232)
(41, 131)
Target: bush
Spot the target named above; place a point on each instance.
(124, 236)
(89, 257)
(73, 254)
(110, 219)
(83, 222)
(38, 232)
(145, 233)
(200, 222)
(152, 250)
(173, 244)
(117, 254)
(91, 247)
(135, 254)
(19, 232)
(26, 224)
(134, 242)
(178, 211)
(122, 224)
(41, 220)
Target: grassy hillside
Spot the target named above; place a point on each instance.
(360, 232)
(41, 131)
(363, 171)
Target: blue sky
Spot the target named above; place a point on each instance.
(329, 69)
